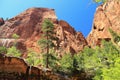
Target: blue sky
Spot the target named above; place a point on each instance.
(78, 13)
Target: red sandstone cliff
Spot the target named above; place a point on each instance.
(28, 26)
(13, 68)
(106, 16)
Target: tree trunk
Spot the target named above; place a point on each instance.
(47, 59)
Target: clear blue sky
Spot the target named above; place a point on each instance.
(78, 13)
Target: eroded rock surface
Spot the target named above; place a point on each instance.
(107, 17)
(13, 68)
(28, 26)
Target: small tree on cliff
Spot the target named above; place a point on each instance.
(100, 1)
(46, 42)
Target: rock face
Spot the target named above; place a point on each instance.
(69, 39)
(28, 26)
(13, 68)
(1, 21)
(107, 17)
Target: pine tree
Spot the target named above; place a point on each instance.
(48, 36)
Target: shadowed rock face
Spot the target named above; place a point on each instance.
(106, 16)
(28, 26)
(13, 68)
(1, 21)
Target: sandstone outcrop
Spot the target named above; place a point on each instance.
(28, 26)
(107, 17)
(69, 39)
(13, 68)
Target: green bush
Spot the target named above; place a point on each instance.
(15, 36)
(66, 64)
(97, 63)
(33, 58)
(13, 51)
(3, 50)
(100, 1)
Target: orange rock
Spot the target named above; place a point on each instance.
(106, 16)
(28, 26)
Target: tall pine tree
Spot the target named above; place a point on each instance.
(48, 36)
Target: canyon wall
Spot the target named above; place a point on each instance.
(28, 26)
(107, 17)
(13, 68)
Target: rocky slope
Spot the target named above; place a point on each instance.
(28, 26)
(106, 16)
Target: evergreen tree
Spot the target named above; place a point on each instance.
(46, 42)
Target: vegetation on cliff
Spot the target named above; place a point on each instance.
(100, 1)
(46, 42)
(98, 63)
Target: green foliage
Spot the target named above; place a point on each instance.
(100, 1)
(108, 59)
(102, 61)
(47, 27)
(33, 58)
(3, 50)
(48, 35)
(46, 42)
(94, 61)
(15, 36)
(113, 72)
(90, 60)
(116, 37)
(97, 1)
(13, 51)
(69, 65)
(53, 59)
(79, 61)
(99, 63)
(66, 64)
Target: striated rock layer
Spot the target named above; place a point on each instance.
(13, 68)
(107, 17)
(28, 26)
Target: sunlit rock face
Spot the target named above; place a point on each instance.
(27, 23)
(107, 17)
(28, 26)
